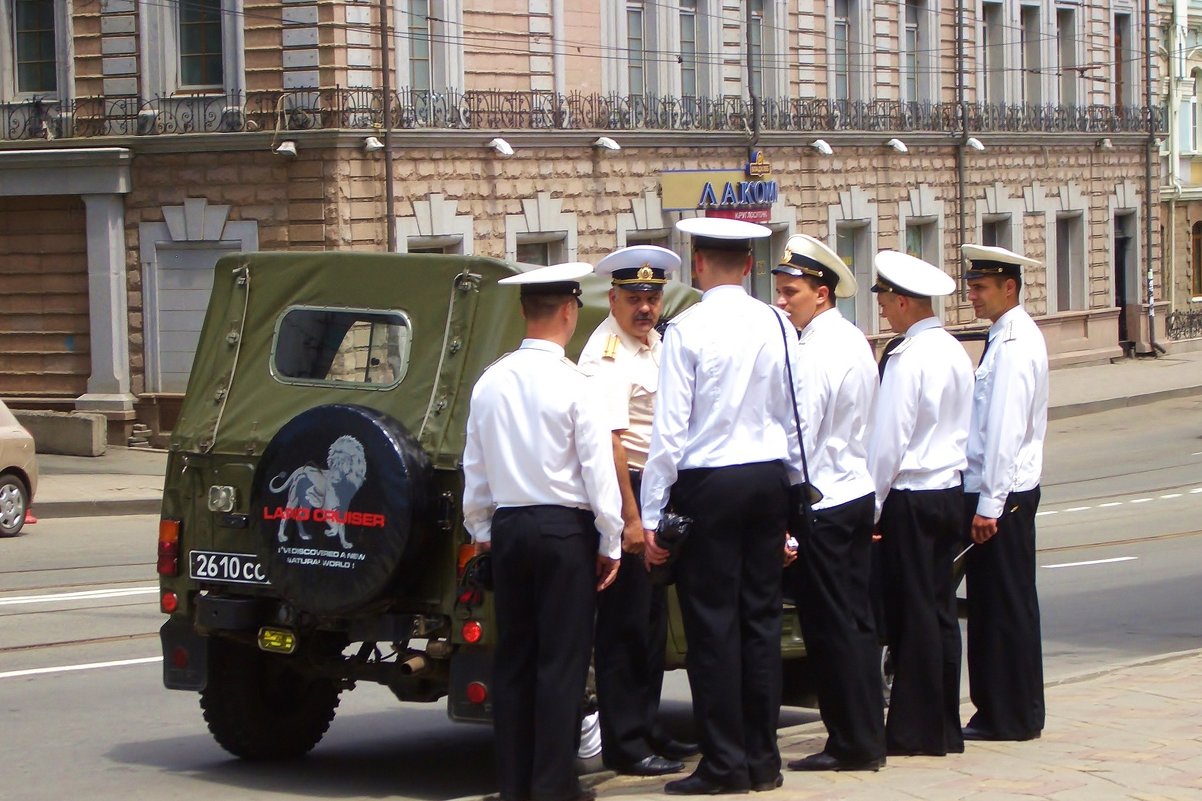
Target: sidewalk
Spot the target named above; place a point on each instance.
(1132, 732)
(129, 481)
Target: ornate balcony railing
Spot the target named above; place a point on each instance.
(362, 109)
(1184, 324)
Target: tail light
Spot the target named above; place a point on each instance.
(168, 602)
(472, 631)
(466, 552)
(168, 564)
(477, 692)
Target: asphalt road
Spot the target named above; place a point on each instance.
(85, 714)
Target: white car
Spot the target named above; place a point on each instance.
(18, 473)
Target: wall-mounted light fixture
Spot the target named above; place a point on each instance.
(371, 144)
(822, 147)
(501, 146)
(1105, 144)
(286, 148)
(974, 143)
(605, 143)
(898, 145)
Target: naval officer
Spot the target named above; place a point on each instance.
(539, 484)
(1005, 460)
(916, 455)
(724, 448)
(632, 621)
(831, 581)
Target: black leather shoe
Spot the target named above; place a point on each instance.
(824, 761)
(973, 733)
(675, 749)
(771, 784)
(651, 766)
(697, 785)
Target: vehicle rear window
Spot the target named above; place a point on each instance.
(342, 346)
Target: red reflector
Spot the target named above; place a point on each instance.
(179, 657)
(169, 602)
(477, 693)
(472, 631)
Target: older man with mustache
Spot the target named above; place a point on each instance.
(623, 356)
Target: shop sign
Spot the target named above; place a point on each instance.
(720, 190)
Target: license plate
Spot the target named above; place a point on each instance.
(231, 568)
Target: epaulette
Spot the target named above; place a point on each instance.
(573, 365)
(497, 360)
(1009, 335)
(901, 346)
(612, 343)
(681, 315)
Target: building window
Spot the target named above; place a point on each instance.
(419, 45)
(852, 243)
(1070, 262)
(1030, 52)
(1195, 107)
(922, 239)
(1124, 61)
(34, 36)
(995, 232)
(841, 51)
(200, 53)
(911, 50)
(688, 48)
(993, 53)
(1066, 43)
(755, 37)
(541, 249)
(1196, 262)
(636, 50)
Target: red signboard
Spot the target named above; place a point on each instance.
(754, 215)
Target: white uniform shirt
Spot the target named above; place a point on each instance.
(534, 437)
(920, 430)
(723, 396)
(837, 385)
(1009, 413)
(627, 374)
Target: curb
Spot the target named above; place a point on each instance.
(53, 510)
(1107, 404)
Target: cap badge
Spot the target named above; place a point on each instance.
(786, 256)
(645, 272)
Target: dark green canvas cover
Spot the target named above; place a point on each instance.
(460, 320)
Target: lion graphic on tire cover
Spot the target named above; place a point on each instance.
(329, 491)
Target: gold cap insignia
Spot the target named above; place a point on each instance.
(786, 257)
(645, 272)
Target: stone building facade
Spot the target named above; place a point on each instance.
(138, 157)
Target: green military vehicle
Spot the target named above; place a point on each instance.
(311, 535)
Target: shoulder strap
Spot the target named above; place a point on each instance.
(807, 488)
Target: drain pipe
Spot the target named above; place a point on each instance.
(386, 110)
(1148, 165)
(963, 109)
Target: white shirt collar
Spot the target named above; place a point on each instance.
(544, 345)
(923, 325)
(1003, 321)
(723, 289)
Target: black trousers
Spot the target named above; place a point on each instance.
(831, 583)
(628, 656)
(920, 537)
(729, 586)
(1005, 653)
(544, 572)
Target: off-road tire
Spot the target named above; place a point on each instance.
(14, 505)
(260, 707)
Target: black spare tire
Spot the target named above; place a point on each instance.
(339, 498)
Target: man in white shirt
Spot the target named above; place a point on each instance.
(622, 356)
(1005, 460)
(916, 454)
(539, 483)
(837, 386)
(723, 444)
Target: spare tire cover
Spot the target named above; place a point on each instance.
(337, 498)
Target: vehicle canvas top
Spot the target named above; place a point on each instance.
(458, 322)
